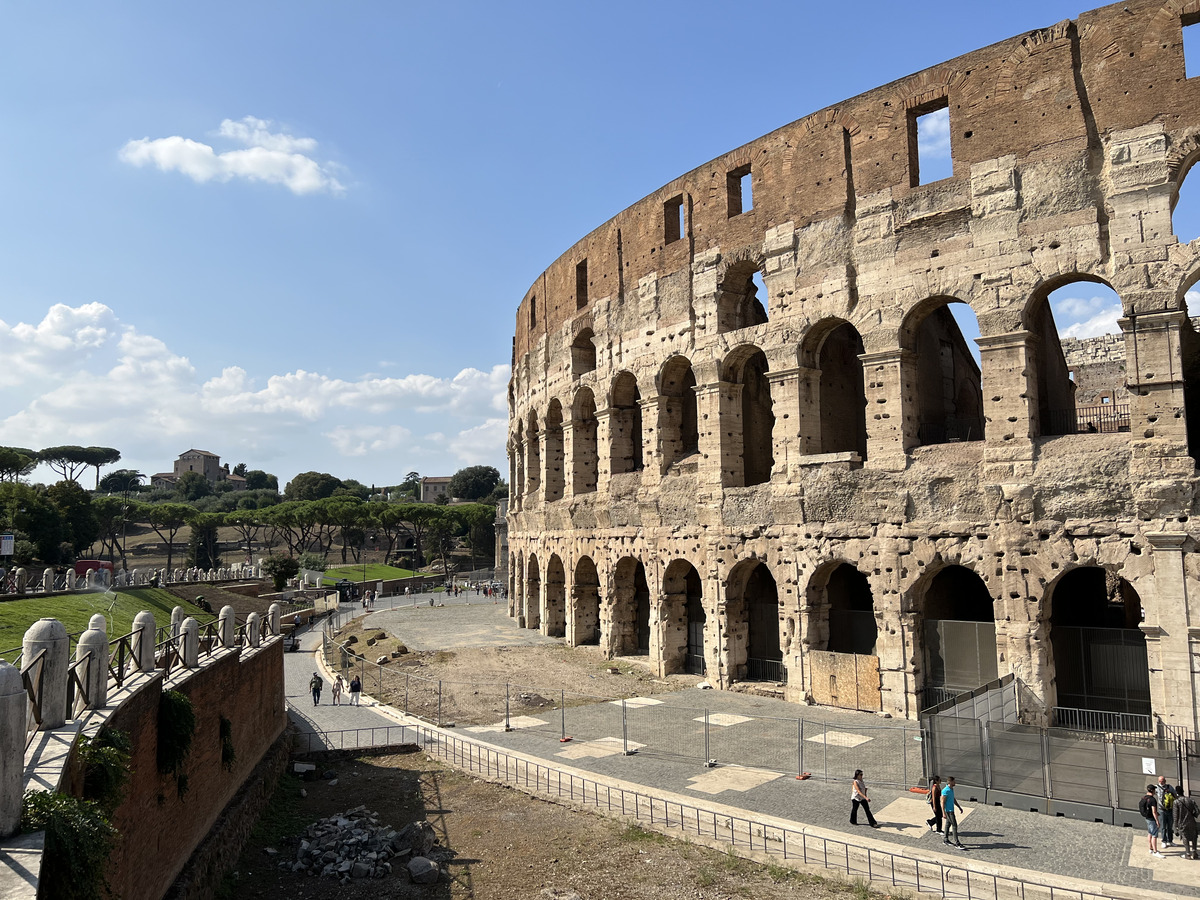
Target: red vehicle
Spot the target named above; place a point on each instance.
(82, 566)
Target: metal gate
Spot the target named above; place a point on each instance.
(1102, 669)
(960, 655)
(695, 644)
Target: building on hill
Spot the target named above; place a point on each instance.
(434, 487)
(202, 461)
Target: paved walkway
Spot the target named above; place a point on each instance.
(996, 837)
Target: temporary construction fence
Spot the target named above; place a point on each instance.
(746, 832)
(664, 724)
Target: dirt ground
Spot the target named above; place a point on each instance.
(501, 844)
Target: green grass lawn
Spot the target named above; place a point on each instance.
(374, 573)
(74, 611)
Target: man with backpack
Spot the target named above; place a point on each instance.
(1148, 808)
(1164, 797)
(1187, 819)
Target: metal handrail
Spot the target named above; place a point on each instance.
(74, 683)
(33, 688)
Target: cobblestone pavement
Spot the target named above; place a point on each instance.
(672, 758)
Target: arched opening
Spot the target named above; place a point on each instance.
(585, 602)
(959, 632)
(533, 456)
(533, 594)
(851, 607)
(949, 391)
(739, 303)
(625, 425)
(684, 617)
(747, 368)
(584, 453)
(631, 609)
(752, 613)
(843, 395)
(554, 623)
(583, 353)
(1100, 661)
(1185, 205)
(555, 476)
(678, 431)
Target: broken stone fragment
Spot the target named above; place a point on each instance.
(423, 871)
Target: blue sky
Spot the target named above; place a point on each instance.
(295, 234)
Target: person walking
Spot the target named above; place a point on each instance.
(1186, 813)
(1164, 797)
(858, 797)
(935, 804)
(950, 809)
(355, 690)
(315, 684)
(337, 689)
(1148, 808)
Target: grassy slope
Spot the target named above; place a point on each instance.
(375, 572)
(74, 611)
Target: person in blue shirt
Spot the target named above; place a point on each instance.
(949, 807)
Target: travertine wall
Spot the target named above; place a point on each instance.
(671, 425)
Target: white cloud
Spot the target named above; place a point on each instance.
(274, 157)
(933, 134)
(1084, 317)
(476, 446)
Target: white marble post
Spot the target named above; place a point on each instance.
(50, 635)
(176, 621)
(253, 626)
(144, 631)
(12, 747)
(227, 626)
(273, 618)
(94, 641)
(190, 640)
(48, 579)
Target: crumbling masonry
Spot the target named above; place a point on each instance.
(817, 484)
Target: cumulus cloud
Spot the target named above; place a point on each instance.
(1084, 317)
(87, 378)
(267, 155)
(933, 135)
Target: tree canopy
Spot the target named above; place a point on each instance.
(474, 482)
(311, 486)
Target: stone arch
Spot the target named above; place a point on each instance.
(752, 635)
(947, 380)
(683, 619)
(583, 353)
(554, 617)
(1099, 652)
(630, 624)
(832, 349)
(955, 632)
(555, 474)
(533, 593)
(625, 425)
(751, 452)
(678, 425)
(738, 303)
(841, 610)
(533, 456)
(585, 604)
(585, 455)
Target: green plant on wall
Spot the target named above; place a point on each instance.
(78, 841)
(105, 761)
(176, 728)
(228, 753)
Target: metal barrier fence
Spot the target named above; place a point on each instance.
(740, 832)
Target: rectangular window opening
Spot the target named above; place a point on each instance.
(581, 284)
(673, 221)
(1191, 45)
(532, 313)
(929, 143)
(739, 186)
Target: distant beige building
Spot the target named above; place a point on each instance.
(207, 464)
(432, 488)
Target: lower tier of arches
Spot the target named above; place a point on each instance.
(885, 618)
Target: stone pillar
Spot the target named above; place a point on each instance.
(1010, 399)
(227, 626)
(604, 449)
(48, 579)
(654, 460)
(708, 425)
(1169, 640)
(787, 403)
(12, 747)
(176, 621)
(273, 613)
(22, 579)
(144, 632)
(569, 462)
(94, 641)
(50, 635)
(189, 640)
(890, 379)
(253, 629)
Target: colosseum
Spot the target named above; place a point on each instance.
(748, 438)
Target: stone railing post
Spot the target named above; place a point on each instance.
(12, 747)
(48, 579)
(144, 632)
(273, 618)
(189, 639)
(95, 642)
(253, 626)
(227, 626)
(176, 621)
(50, 635)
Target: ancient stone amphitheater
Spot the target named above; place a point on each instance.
(814, 485)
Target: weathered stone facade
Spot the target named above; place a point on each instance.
(803, 485)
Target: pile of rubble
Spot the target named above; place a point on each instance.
(353, 844)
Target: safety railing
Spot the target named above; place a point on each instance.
(1107, 418)
(1100, 720)
(32, 676)
(79, 687)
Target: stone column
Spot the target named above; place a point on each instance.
(48, 579)
(273, 613)
(787, 403)
(569, 462)
(1169, 640)
(227, 626)
(890, 379)
(655, 456)
(189, 640)
(1010, 399)
(176, 621)
(50, 635)
(144, 632)
(253, 629)
(94, 641)
(603, 449)
(12, 747)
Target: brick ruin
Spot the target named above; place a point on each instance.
(748, 438)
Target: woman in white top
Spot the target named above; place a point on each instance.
(858, 797)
